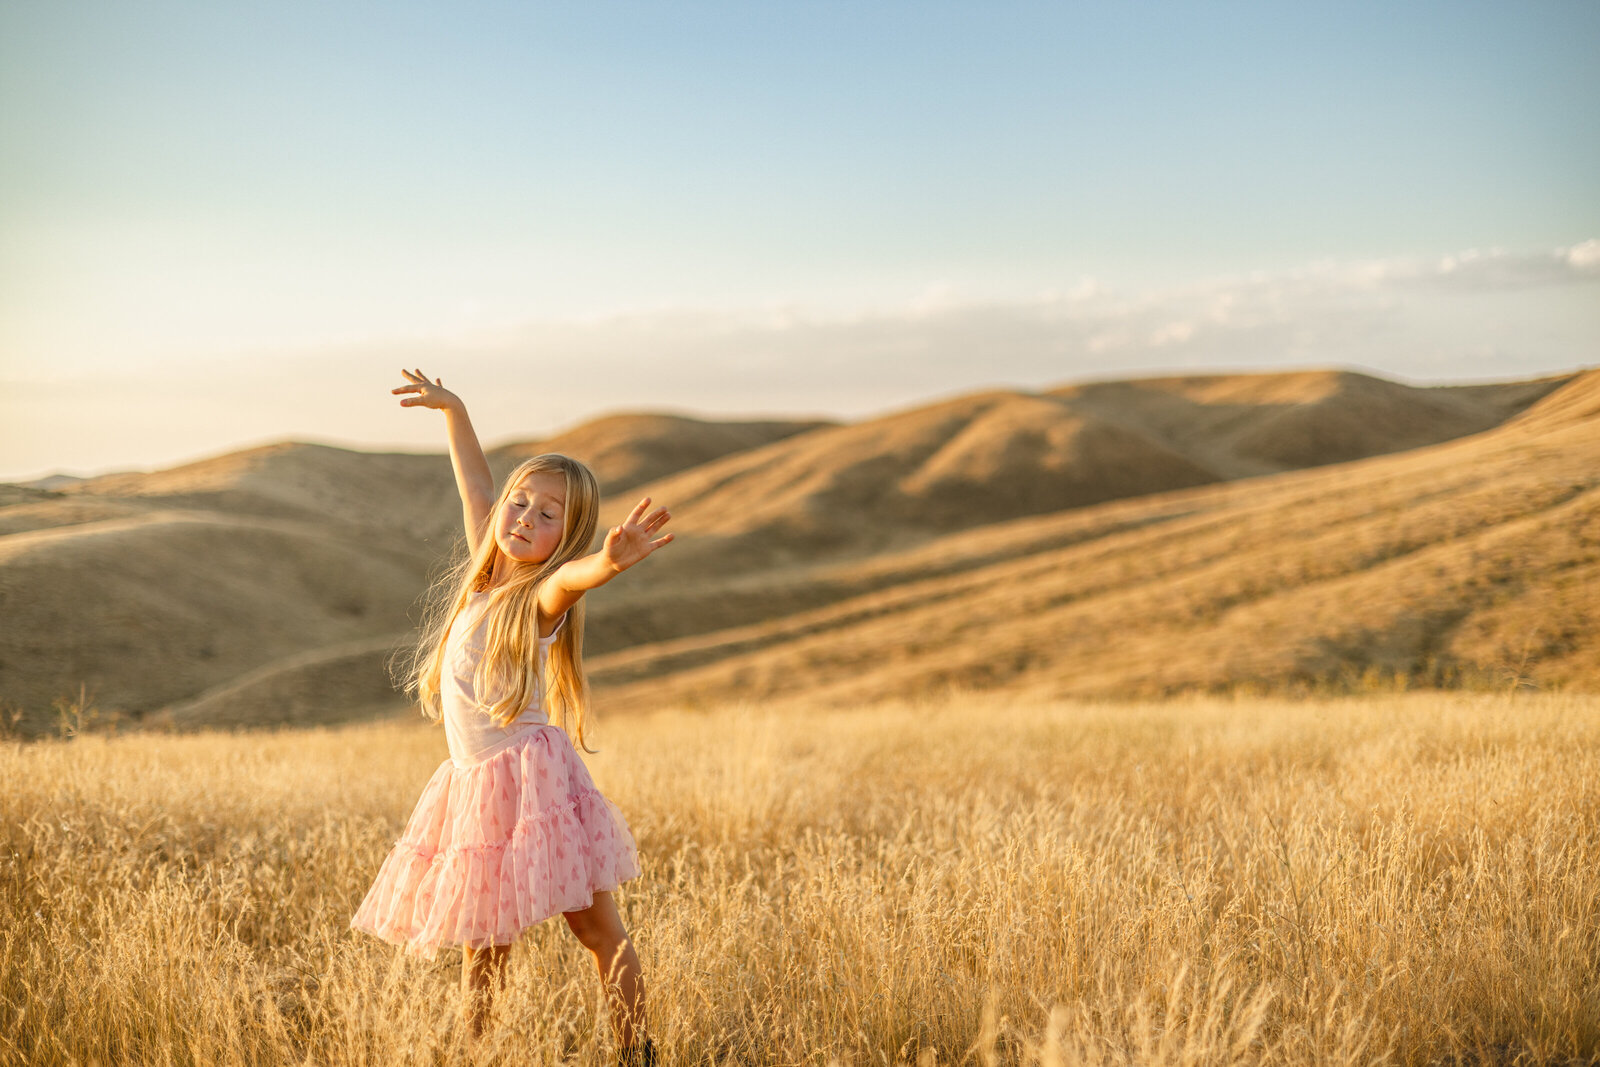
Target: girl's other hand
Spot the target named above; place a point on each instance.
(431, 394)
(629, 543)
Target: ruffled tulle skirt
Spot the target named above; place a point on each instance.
(499, 846)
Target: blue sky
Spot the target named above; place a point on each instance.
(787, 207)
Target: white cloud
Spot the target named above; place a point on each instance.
(1473, 313)
(1585, 257)
(1496, 268)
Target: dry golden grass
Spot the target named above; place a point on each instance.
(1409, 879)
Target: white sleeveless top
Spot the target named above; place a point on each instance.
(472, 734)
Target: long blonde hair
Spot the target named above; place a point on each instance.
(509, 666)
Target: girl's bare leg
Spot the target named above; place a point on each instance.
(599, 929)
(483, 973)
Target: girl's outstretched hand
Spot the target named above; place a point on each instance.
(432, 394)
(629, 543)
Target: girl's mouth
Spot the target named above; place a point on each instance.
(519, 537)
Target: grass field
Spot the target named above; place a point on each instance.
(1411, 878)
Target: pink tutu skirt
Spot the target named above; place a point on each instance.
(498, 846)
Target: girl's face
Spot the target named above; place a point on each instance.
(529, 525)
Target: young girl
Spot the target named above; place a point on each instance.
(510, 830)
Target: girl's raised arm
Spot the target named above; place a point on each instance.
(473, 479)
(624, 546)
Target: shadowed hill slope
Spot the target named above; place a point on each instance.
(1081, 540)
(158, 606)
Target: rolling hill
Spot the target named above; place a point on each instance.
(1471, 562)
(1127, 537)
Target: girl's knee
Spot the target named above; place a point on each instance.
(598, 928)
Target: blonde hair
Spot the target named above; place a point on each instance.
(509, 666)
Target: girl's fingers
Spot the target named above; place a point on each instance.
(665, 539)
(647, 526)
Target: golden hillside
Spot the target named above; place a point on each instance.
(1140, 537)
(1470, 562)
(982, 458)
(268, 584)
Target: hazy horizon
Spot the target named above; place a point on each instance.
(429, 439)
